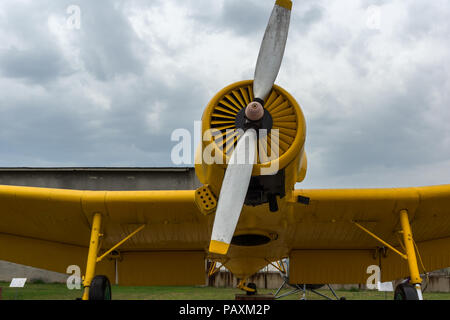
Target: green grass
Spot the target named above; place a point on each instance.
(42, 291)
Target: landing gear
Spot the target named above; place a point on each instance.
(100, 288)
(253, 287)
(406, 291)
(251, 292)
(296, 288)
(250, 288)
(303, 288)
(411, 290)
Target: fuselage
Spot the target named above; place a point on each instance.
(266, 218)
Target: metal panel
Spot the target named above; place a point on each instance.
(168, 268)
(330, 266)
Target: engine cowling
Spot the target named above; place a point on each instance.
(281, 158)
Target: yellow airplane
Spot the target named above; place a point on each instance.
(245, 216)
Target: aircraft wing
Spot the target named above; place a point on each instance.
(328, 246)
(50, 229)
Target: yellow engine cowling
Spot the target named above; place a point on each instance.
(288, 130)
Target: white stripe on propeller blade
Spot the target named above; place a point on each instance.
(234, 190)
(271, 52)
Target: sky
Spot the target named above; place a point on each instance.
(105, 83)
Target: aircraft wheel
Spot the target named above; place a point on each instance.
(251, 286)
(405, 291)
(100, 288)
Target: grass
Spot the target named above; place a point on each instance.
(43, 291)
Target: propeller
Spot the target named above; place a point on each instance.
(272, 50)
(238, 174)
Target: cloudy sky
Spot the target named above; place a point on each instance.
(372, 77)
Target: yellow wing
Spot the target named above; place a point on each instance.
(328, 247)
(50, 229)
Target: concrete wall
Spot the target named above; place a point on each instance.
(10, 270)
(439, 282)
(263, 280)
(102, 178)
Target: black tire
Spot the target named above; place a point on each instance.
(251, 286)
(100, 288)
(405, 291)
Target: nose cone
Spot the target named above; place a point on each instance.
(254, 111)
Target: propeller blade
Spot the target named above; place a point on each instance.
(232, 195)
(272, 49)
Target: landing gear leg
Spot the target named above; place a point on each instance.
(92, 254)
(99, 288)
(405, 291)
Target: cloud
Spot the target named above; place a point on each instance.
(373, 99)
(27, 52)
(108, 45)
(36, 66)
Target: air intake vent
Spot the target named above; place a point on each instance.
(283, 115)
